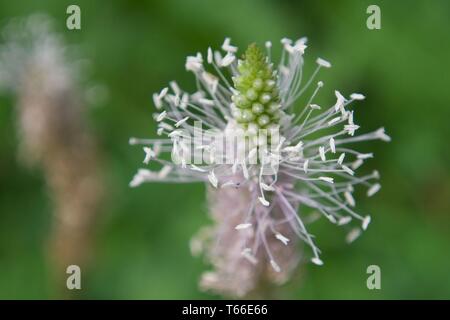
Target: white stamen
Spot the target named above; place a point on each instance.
(282, 238)
(176, 89)
(161, 116)
(209, 57)
(382, 135)
(353, 235)
(373, 189)
(247, 253)
(334, 120)
(194, 63)
(184, 101)
(179, 123)
(315, 106)
(226, 42)
(228, 59)
(317, 261)
(206, 102)
(331, 218)
(218, 58)
(289, 48)
(175, 134)
(351, 128)
(323, 63)
(341, 158)
(226, 46)
(228, 184)
(275, 266)
(303, 40)
(365, 155)
(350, 118)
(165, 126)
(340, 100)
(357, 96)
(344, 220)
(176, 100)
(299, 47)
(133, 141)
(349, 198)
(157, 101)
(366, 222)
(286, 41)
(140, 177)
(322, 153)
(211, 80)
(197, 96)
(348, 170)
(163, 93)
(305, 165)
(376, 174)
(295, 148)
(356, 164)
(243, 226)
(149, 153)
(332, 145)
(263, 201)
(327, 179)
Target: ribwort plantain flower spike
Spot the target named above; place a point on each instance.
(260, 186)
(256, 102)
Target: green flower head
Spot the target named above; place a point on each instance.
(257, 98)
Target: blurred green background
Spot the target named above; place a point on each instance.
(137, 47)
